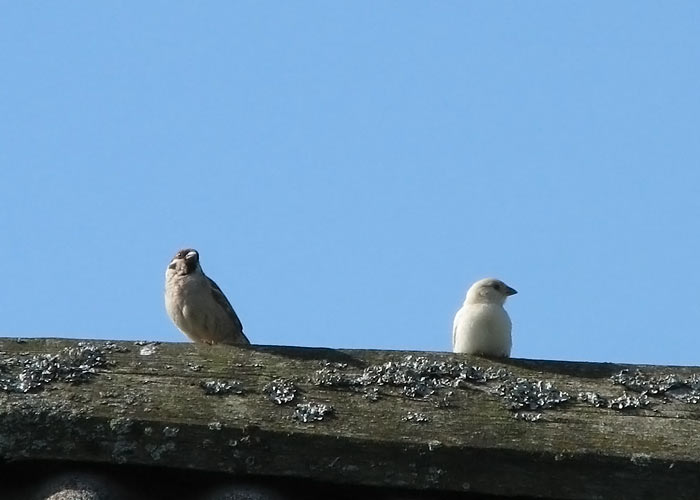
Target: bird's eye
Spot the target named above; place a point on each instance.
(497, 286)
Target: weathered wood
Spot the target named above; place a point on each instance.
(403, 419)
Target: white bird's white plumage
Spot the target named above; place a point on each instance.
(482, 325)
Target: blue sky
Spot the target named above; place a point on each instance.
(348, 169)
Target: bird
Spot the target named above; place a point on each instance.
(197, 306)
(482, 326)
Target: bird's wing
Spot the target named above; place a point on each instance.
(221, 299)
(454, 327)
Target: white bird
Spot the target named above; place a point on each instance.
(197, 305)
(482, 325)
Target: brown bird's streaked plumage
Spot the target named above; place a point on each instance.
(197, 305)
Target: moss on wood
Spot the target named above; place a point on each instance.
(404, 419)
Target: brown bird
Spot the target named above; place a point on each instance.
(197, 305)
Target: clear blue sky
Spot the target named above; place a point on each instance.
(348, 169)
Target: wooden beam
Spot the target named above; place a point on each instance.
(425, 421)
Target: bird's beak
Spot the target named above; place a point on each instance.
(510, 291)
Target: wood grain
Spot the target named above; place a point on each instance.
(441, 430)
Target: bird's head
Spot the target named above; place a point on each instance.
(489, 291)
(186, 261)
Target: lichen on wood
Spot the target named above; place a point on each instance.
(428, 421)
